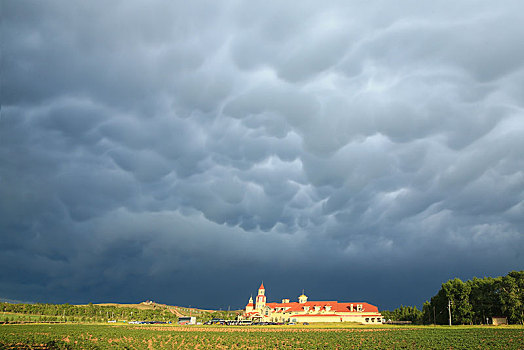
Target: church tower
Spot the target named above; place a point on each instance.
(261, 298)
(250, 306)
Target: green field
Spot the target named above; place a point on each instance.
(103, 336)
(14, 317)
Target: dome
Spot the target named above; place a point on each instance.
(302, 299)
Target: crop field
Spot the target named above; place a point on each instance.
(103, 336)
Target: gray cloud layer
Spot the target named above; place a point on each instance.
(342, 148)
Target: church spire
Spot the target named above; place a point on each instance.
(261, 298)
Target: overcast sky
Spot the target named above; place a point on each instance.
(184, 151)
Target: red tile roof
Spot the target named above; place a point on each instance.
(335, 306)
(262, 286)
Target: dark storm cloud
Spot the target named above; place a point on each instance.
(320, 146)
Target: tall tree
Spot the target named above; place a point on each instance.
(427, 313)
(484, 299)
(458, 292)
(512, 296)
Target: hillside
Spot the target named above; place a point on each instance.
(179, 311)
(104, 312)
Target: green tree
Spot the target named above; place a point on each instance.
(458, 292)
(511, 296)
(403, 313)
(484, 299)
(427, 313)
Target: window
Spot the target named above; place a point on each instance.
(367, 319)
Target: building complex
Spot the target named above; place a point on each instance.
(309, 311)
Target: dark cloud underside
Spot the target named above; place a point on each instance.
(344, 148)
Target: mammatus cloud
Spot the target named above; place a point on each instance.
(319, 147)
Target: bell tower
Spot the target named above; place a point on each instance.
(250, 306)
(261, 297)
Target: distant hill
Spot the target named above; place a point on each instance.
(104, 312)
(151, 305)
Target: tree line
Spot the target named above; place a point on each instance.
(87, 313)
(474, 301)
(41, 312)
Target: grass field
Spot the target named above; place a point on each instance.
(103, 336)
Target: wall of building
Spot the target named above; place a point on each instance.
(375, 318)
(337, 318)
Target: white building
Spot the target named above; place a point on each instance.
(309, 311)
